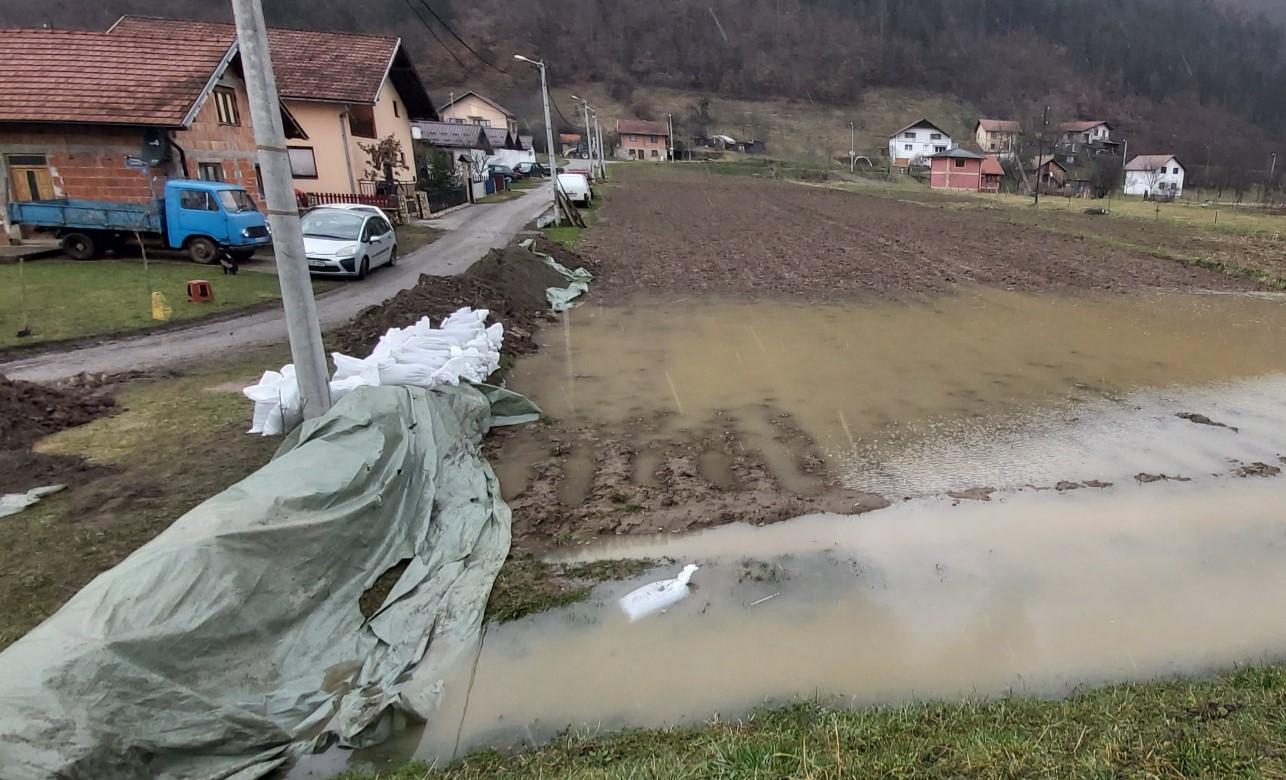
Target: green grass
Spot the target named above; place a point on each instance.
(568, 235)
(501, 197)
(412, 237)
(63, 299)
(1232, 726)
(175, 442)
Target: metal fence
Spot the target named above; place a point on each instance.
(387, 202)
(440, 200)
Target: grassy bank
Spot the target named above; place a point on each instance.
(1233, 726)
(62, 299)
(176, 442)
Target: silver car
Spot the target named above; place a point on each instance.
(348, 240)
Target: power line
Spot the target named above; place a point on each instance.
(434, 33)
(462, 41)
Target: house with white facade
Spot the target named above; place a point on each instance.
(915, 143)
(1154, 175)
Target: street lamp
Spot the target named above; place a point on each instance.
(549, 129)
(852, 146)
(589, 138)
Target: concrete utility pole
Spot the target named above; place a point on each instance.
(283, 211)
(669, 124)
(589, 135)
(852, 146)
(1040, 151)
(602, 161)
(1272, 171)
(549, 130)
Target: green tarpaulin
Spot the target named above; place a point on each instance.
(234, 641)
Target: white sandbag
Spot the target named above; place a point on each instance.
(463, 348)
(657, 596)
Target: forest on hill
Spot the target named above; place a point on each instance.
(1182, 75)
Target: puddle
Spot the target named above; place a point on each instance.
(870, 379)
(1034, 593)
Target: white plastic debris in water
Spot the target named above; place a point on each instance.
(420, 355)
(657, 596)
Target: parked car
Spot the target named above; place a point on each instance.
(531, 169)
(202, 218)
(576, 187)
(496, 169)
(348, 240)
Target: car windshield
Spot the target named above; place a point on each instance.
(236, 201)
(333, 223)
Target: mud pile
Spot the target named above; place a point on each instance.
(29, 411)
(508, 282)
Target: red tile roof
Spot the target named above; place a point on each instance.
(309, 64)
(1149, 162)
(991, 166)
(96, 78)
(1000, 126)
(1081, 126)
(641, 127)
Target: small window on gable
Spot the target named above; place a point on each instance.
(960, 163)
(935, 136)
(909, 134)
(225, 103)
(396, 112)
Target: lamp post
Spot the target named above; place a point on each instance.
(602, 161)
(589, 136)
(549, 130)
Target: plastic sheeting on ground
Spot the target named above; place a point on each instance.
(463, 347)
(13, 503)
(233, 641)
(560, 299)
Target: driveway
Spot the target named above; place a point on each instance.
(471, 233)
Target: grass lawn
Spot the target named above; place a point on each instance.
(568, 235)
(65, 299)
(412, 237)
(501, 197)
(177, 442)
(1228, 727)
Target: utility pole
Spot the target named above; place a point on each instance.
(669, 124)
(549, 131)
(602, 160)
(852, 146)
(1040, 151)
(283, 211)
(1272, 171)
(589, 135)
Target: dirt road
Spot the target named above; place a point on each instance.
(470, 234)
(748, 237)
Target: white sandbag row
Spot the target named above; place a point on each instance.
(420, 355)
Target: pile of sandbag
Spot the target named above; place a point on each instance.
(463, 347)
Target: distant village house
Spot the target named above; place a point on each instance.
(1046, 169)
(997, 135)
(474, 109)
(1154, 176)
(641, 139)
(961, 169)
(916, 142)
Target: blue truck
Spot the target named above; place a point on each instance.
(202, 218)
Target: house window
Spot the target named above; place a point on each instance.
(935, 136)
(455, 120)
(960, 163)
(395, 110)
(361, 121)
(209, 171)
(939, 148)
(655, 154)
(196, 200)
(225, 103)
(303, 165)
(908, 147)
(259, 180)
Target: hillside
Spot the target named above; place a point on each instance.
(1178, 75)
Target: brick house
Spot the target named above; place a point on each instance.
(961, 169)
(75, 105)
(641, 139)
(342, 91)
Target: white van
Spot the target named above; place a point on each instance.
(576, 187)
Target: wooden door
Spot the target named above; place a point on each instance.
(30, 182)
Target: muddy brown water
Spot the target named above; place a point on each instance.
(873, 382)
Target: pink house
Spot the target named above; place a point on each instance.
(957, 169)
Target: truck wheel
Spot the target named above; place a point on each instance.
(203, 250)
(79, 246)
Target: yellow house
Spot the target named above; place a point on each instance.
(346, 93)
(474, 109)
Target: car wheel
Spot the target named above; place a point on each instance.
(202, 250)
(79, 246)
(364, 269)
